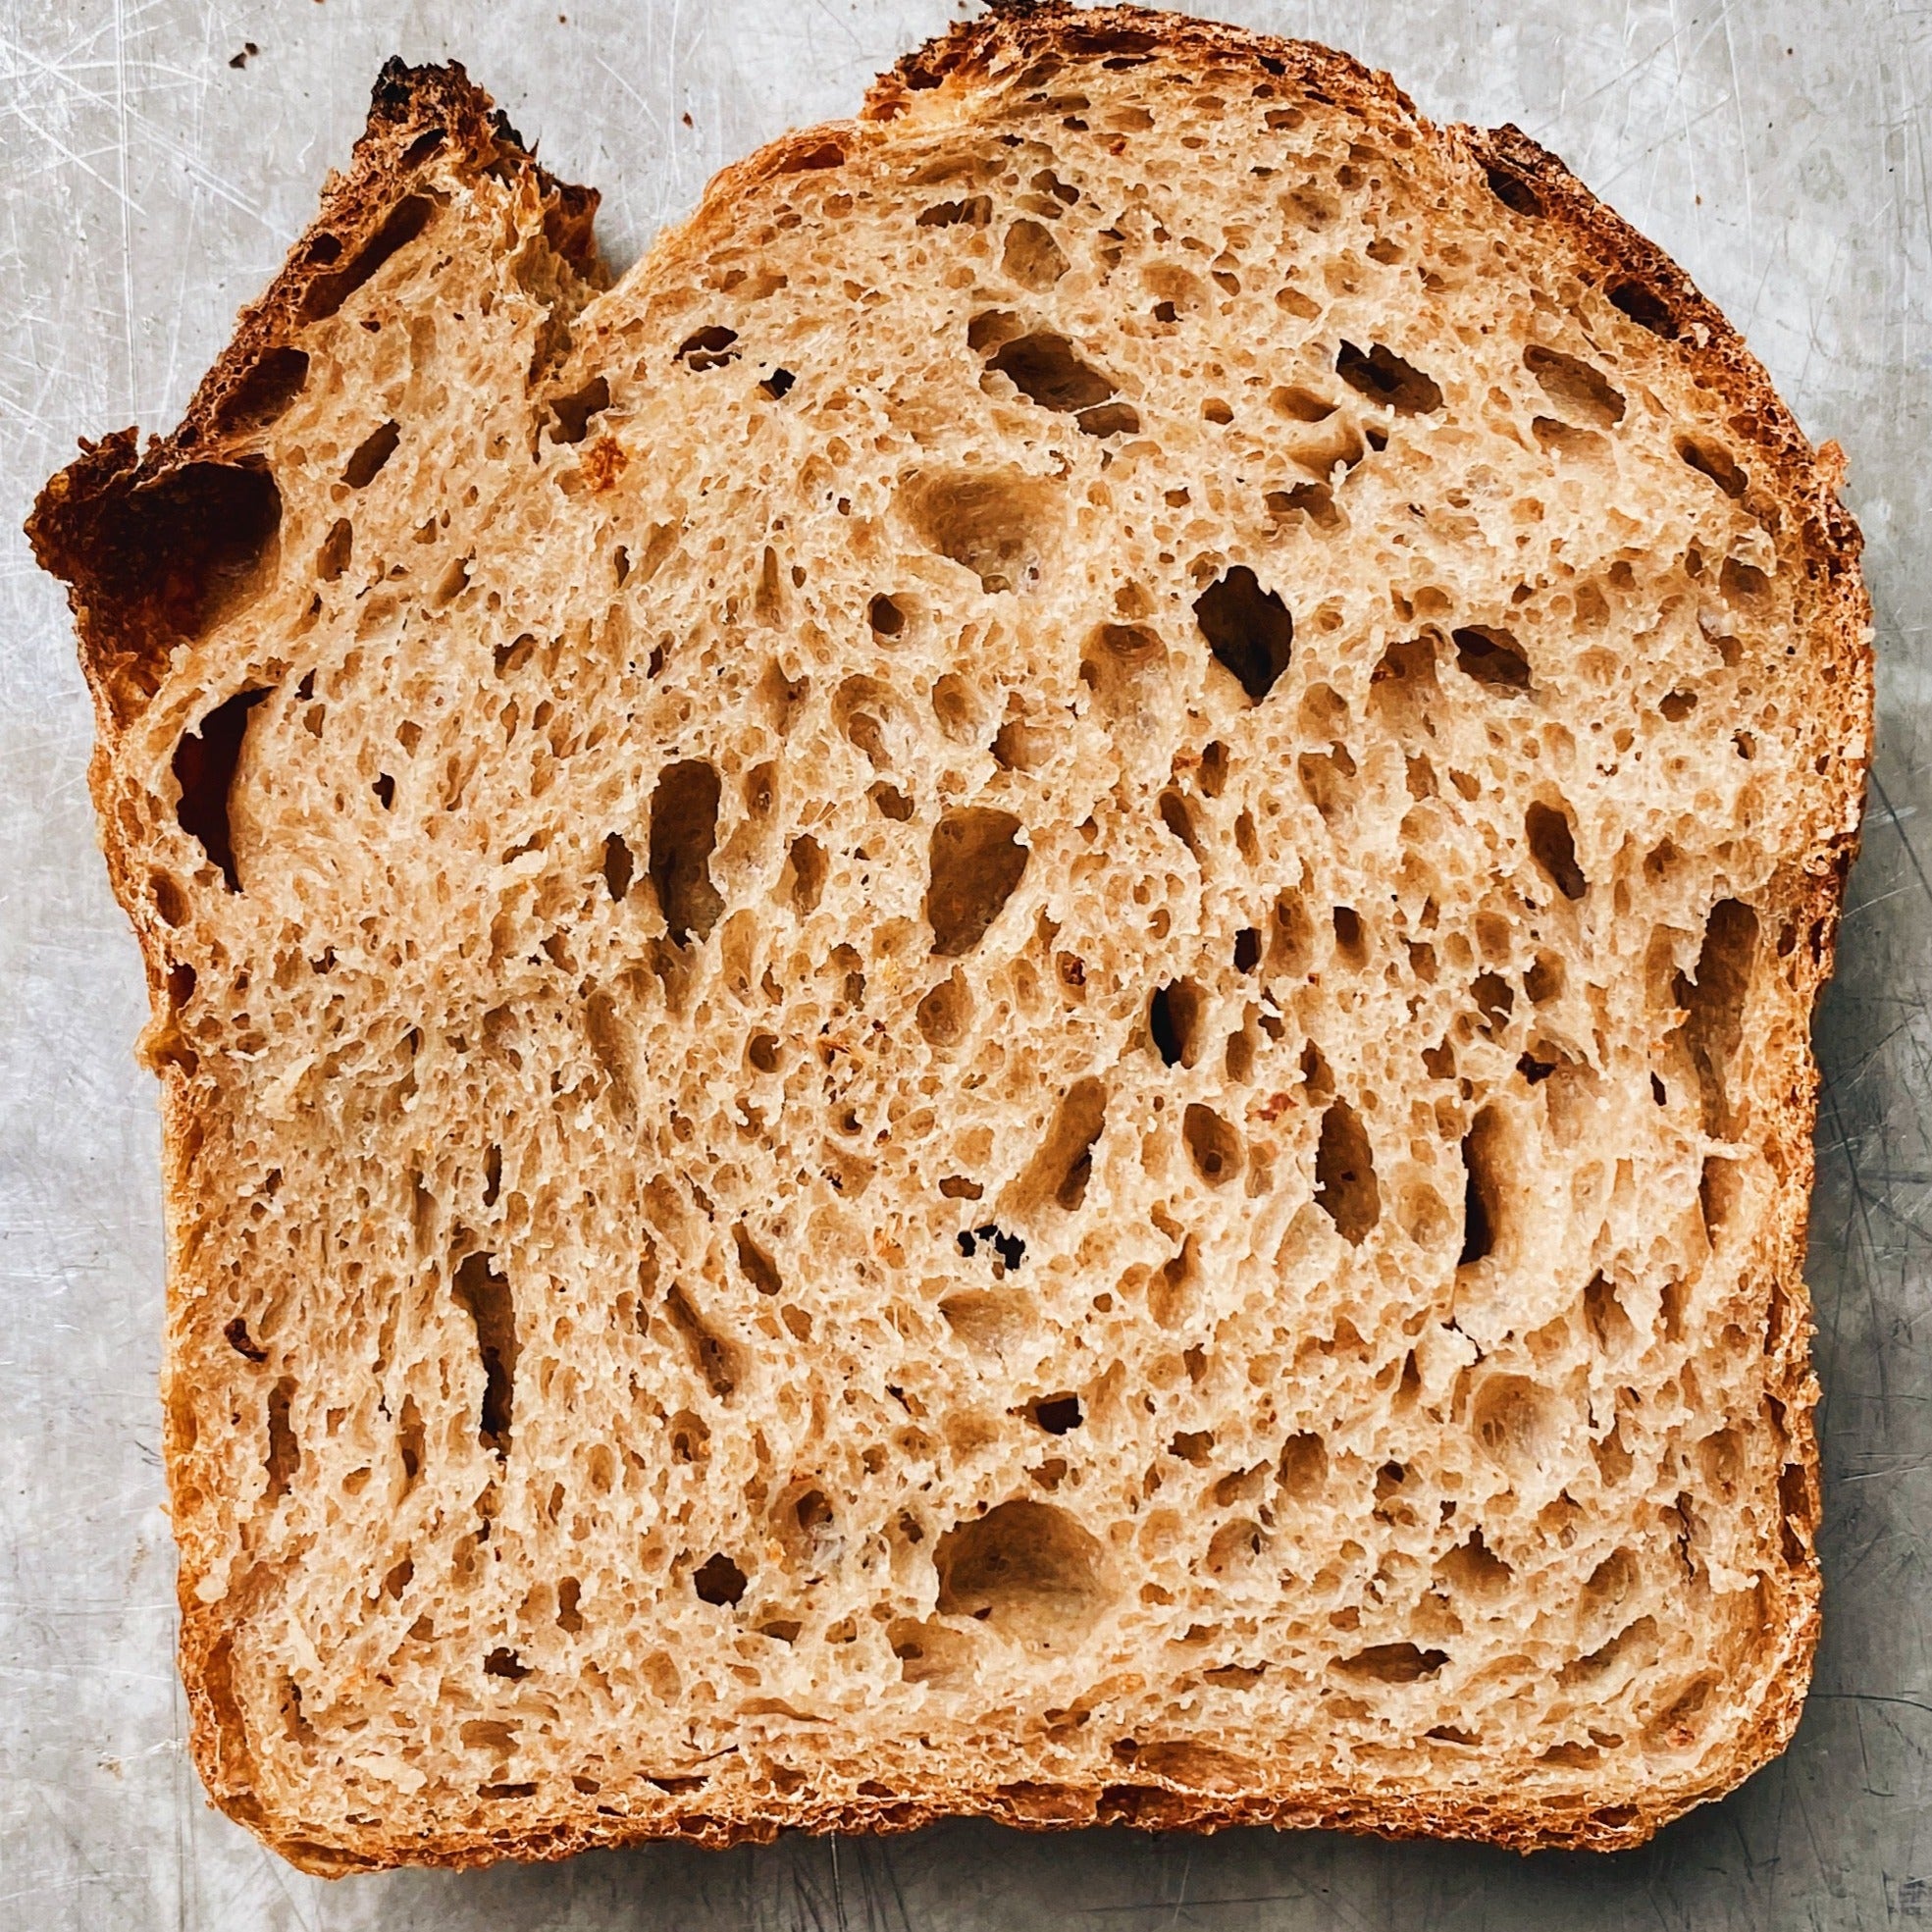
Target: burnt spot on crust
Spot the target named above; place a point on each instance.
(154, 561)
(158, 545)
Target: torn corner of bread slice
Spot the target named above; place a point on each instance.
(995, 1000)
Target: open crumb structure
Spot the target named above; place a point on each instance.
(995, 1000)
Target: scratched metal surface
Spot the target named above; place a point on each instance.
(148, 184)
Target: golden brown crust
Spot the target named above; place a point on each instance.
(88, 527)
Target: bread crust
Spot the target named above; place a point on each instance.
(81, 532)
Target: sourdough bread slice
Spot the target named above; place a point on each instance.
(996, 1001)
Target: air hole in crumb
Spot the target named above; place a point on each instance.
(337, 548)
(1060, 1170)
(1392, 1663)
(1384, 377)
(944, 1013)
(1214, 1147)
(1045, 369)
(718, 1580)
(268, 388)
(1248, 949)
(1720, 1194)
(1482, 1189)
(285, 1453)
(237, 1338)
(1742, 583)
(987, 1320)
(1031, 256)
(1678, 705)
(1291, 939)
(885, 616)
(1512, 190)
(1117, 658)
(977, 861)
(800, 159)
(1494, 998)
(401, 225)
(974, 211)
(573, 413)
(1605, 1311)
(370, 454)
(506, 1663)
(384, 791)
(1315, 501)
(1645, 307)
(860, 706)
(1248, 629)
(1007, 1250)
(954, 706)
(1300, 406)
(759, 1268)
(618, 866)
(1553, 846)
(804, 879)
(1109, 419)
(1028, 1569)
(204, 768)
(1179, 818)
(410, 1439)
(486, 1295)
(778, 384)
(1513, 1420)
(493, 1176)
(1303, 1469)
(1714, 1006)
(987, 523)
(569, 1593)
(891, 801)
(708, 348)
(1796, 1511)
(1349, 940)
(1582, 392)
(1232, 1546)
(714, 1358)
(1714, 461)
(1492, 656)
(690, 1438)
(684, 826)
(1346, 1175)
(1173, 1020)
(1057, 1414)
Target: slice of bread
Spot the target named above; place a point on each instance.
(996, 1001)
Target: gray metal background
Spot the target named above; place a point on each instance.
(1778, 148)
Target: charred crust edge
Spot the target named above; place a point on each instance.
(418, 116)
